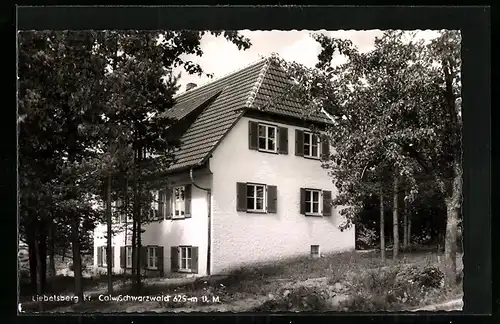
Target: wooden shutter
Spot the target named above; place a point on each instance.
(327, 203)
(299, 143)
(159, 253)
(174, 258)
(253, 135)
(144, 257)
(302, 201)
(241, 196)
(161, 204)
(283, 140)
(112, 256)
(168, 203)
(194, 259)
(123, 257)
(99, 256)
(325, 147)
(187, 200)
(272, 199)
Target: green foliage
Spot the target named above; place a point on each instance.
(395, 109)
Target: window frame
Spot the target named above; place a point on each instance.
(104, 256)
(254, 197)
(127, 249)
(318, 254)
(154, 209)
(189, 265)
(267, 138)
(310, 144)
(311, 212)
(174, 203)
(153, 266)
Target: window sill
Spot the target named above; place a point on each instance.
(268, 151)
(185, 270)
(312, 158)
(177, 218)
(152, 269)
(256, 211)
(313, 215)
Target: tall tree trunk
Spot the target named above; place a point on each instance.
(39, 270)
(33, 255)
(137, 209)
(51, 248)
(382, 226)
(42, 248)
(409, 230)
(395, 217)
(77, 261)
(109, 254)
(63, 253)
(453, 206)
(405, 222)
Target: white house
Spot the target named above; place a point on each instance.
(248, 185)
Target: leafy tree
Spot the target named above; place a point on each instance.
(80, 121)
(396, 109)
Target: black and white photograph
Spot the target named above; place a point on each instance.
(171, 171)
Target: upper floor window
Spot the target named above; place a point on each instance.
(253, 197)
(311, 145)
(267, 138)
(178, 202)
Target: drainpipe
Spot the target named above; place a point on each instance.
(209, 197)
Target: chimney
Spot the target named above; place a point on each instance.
(190, 86)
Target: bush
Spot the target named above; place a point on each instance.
(430, 277)
(393, 288)
(299, 299)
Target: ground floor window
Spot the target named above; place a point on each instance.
(152, 257)
(185, 258)
(101, 256)
(315, 251)
(128, 257)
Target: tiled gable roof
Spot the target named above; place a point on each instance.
(248, 88)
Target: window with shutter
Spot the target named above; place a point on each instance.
(154, 210)
(128, 257)
(267, 138)
(152, 257)
(311, 202)
(256, 197)
(178, 202)
(311, 145)
(186, 258)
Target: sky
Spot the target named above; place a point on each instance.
(221, 57)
